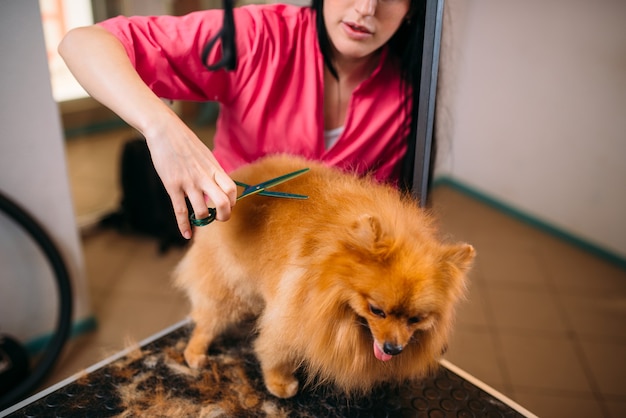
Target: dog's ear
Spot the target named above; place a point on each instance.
(460, 256)
(367, 229)
(367, 234)
(455, 262)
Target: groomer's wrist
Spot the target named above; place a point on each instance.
(156, 123)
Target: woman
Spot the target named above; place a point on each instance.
(334, 82)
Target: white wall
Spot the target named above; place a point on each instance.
(532, 110)
(33, 173)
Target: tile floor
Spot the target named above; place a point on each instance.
(543, 324)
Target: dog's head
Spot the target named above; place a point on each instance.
(403, 284)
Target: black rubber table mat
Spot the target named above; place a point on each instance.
(153, 380)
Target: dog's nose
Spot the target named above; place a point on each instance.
(392, 349)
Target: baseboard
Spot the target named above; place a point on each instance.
(581, 243)
(80, 327)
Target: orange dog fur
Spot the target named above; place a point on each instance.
(351, 286)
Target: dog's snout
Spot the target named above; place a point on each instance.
(392, 349)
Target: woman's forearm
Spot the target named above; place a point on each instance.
(186, 166)
(100, 64)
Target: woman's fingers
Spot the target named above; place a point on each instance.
(189, 170)
(220, 194)
(227, 185)
(182, 216)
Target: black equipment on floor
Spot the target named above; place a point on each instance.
(16, 380)
(145, 208)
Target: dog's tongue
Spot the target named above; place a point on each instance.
(380, 355)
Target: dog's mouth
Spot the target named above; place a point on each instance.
(379, 351)
(380, 354)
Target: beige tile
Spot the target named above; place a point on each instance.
(491, 225)
(616, 407)
(94, 202)
(594, 317)
(473, 351)
(94, 166)
(180, 308)
(486, 227)
(150, 272)
(573, 271)
(471, 312)
(453, 223)
(493, 230)
(107, 253)
(607, 362)
(511, 265)
(134, 317)
(528, 311)
(544, 363)
(559, 405)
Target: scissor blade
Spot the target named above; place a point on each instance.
(248, 190)
(281, 179)
(257, 189)
(283, 195)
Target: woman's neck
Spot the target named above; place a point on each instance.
(338, 91)
(354, 70)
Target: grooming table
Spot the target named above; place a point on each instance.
(153, 380)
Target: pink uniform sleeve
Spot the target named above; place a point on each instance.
(166, 51)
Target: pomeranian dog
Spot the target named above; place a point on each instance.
(351, 287)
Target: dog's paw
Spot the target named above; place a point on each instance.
(195, 360)
(280, 385)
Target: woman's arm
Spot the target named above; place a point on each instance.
(186, 166)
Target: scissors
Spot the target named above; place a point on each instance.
(260, 189)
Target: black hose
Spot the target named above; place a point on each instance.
(64, 319)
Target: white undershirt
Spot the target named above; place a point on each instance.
(331, 136)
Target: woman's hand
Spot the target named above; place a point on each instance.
(186, 166)
(189, 169)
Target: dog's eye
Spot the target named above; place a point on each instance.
(378, 312)
(414, 319)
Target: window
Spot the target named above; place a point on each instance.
(58, 17)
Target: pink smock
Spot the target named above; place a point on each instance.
(274, 101)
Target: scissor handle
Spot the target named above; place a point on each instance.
(203, 221)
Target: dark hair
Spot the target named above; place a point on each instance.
(227, 35)
(405, 47)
